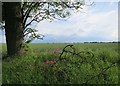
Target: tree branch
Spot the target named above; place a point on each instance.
(28, 12)
(34, 19)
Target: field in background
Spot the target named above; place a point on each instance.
(31, 68)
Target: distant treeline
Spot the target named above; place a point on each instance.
(103, 42)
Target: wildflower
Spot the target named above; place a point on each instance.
(56, 51)
(50, 62)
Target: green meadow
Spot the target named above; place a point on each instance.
(36, 67)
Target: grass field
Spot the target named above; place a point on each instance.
(41, 65)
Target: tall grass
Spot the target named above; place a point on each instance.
(32, 69)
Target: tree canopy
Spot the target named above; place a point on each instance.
(34, 12)
(39, 11)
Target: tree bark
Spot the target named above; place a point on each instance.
(13, 28)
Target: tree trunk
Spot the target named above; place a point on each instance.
(13, 28)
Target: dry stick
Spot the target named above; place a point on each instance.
(105, 69)
(78, 54)
(73, 52)
(64, 50)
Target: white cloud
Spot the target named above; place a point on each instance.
(101, 24)
(105, 0)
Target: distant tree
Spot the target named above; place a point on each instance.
(86, 42)
(18, 17)
(114, 42)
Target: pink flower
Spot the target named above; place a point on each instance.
(56, 51)
(50, 62)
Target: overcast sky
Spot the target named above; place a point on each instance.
(94, 23)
